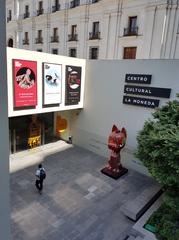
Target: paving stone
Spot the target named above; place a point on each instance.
(89, 195)
(78, 202)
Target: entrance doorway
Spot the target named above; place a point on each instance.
(22, 132)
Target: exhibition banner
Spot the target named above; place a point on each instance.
(73, 85)
(52, 83)
(25, 83)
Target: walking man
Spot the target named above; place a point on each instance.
(41, 175)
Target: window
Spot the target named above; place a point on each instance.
(39, 38)
(26, 14)
(39, 33)
(26, 39)
(40, 5)
(40, 9)
(10, 42)
(54, 51)
(72, 52)
(39, 50)
(55, 37)
(74, 3)
(129, 53)
(132, 22)
(132, 27)
(95, 34)
(73, 36)
(73, 29)
(56, 6)
(93, 54)
(9, 18)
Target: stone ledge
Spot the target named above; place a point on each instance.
(134, 209)
(138, 228)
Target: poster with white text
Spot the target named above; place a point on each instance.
(25, 83)
(73, 85)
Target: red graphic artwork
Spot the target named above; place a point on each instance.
(25, 83)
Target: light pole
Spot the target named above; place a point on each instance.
(4, 133)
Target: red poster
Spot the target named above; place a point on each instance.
(25, 83)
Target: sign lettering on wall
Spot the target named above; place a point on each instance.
(52, 81)
(73, 85)
(147, 91)
(138, 78)
(25, 83)
(144, 102)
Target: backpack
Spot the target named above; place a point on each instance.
(42, 174)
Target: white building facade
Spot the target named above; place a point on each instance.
(96, 29)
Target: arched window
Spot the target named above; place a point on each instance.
(10, 42)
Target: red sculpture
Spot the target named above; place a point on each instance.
(116, 142)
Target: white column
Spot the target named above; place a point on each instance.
(4, 133)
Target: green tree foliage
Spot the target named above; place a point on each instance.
(158, 144)
(158, 149)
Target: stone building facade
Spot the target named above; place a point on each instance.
(96, 29)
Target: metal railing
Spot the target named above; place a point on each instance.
(94, 35)
(55, 39)
(56, 8)
(72, 37)
(131, 31)
(40, 12)
(25, 41)
(26, 15)
(39, 40)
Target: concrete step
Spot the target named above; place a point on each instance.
(133, 209)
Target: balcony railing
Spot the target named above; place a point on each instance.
(94, 35)
(9, 19)
(131, 31)
(56, 8)
(39, 40)
(55, 39)
(74, 3)
(26, 15)
(40, 12)
(25, 41)
(72, 37)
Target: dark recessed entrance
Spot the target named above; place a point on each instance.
(31, 131)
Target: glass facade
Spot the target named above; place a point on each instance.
(30, 131)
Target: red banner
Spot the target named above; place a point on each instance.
(25, 83)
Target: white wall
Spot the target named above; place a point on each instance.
(103, 107)
(13, 53)
(157, 22)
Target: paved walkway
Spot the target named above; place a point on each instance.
(78, 202)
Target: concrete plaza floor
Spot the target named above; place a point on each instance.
(78, 202)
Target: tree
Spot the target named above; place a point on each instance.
(158, 145)
(158, 149)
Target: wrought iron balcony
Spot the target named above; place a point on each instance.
(9, 19)
(131, 31)
(54, 39)
(56, 8)
(26, 15)
(74, 3)
(39, 40)
(40, 12)
(72, 37)
(94, 35)
(25, 41)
